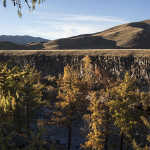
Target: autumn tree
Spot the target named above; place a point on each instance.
(7, 104)
(87, 72)
(71, 100)
(95, 78)
(7, 99)
(29, 94)
(20, 94)
(98, 118)
(144, 105)
(122, 107)
(99, 122)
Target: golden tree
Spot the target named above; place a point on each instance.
(88, 72)
(122, 107)
(7, 103)
(99, 121)
(20, 94)
(145, 102)
(98, 118)
(95, 78)
(71, 100)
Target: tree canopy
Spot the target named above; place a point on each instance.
(30, 3)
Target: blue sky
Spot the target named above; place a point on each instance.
(55, 19)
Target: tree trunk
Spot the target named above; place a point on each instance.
(106, 142)
(69, 137)
(107, 127)
(28, 118)
(19, 120)
(121, 144)
(17, 116)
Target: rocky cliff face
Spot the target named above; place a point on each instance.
(115, 66)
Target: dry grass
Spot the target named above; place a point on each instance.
(91, 52)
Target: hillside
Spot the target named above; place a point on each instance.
(132, 35)
(5, 45)
(21, 39)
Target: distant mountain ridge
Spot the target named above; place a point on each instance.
(21, 39)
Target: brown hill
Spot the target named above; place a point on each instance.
(132, 35)
(5, 45)
(35, 46)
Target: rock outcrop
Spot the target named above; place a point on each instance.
(115, 66)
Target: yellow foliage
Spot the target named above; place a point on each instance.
(98, 120)
(122, 107)
(71, 96)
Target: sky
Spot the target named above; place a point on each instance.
(56, 19)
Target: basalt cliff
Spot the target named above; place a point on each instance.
(115, 63)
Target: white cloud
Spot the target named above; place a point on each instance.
(59, 31)
(55, 26)
(71, 17)
(92, 18)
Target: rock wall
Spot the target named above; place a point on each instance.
(116, 66)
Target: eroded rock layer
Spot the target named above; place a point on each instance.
(115, 66)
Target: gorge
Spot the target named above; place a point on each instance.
(115, 62)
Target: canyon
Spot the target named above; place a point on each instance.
(115, 62)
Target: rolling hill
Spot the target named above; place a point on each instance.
(5, 45)
(131, 36)
(134, 35)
